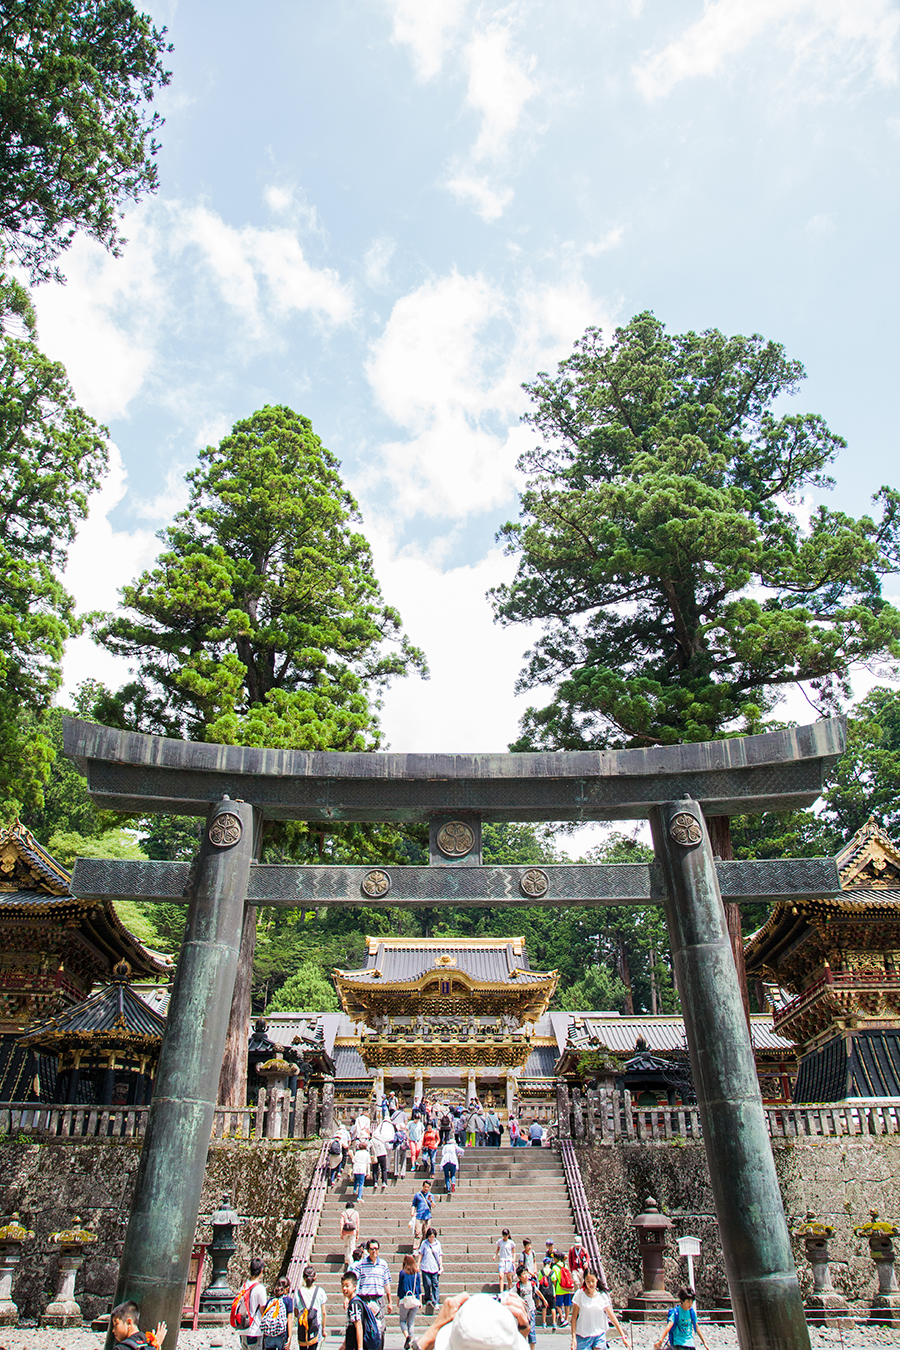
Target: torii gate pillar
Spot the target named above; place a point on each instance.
(756, 1247)
(157, 1250)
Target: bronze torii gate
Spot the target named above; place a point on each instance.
(677, 787)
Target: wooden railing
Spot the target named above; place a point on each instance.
(607, 1116)
(275, 1115)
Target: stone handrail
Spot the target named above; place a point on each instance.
(309, 1220)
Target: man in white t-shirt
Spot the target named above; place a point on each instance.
(451, 1154)
(257, 1299)
(592, 1312)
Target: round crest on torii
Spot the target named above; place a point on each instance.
(226, 830)
(456, 839)
(685, 829)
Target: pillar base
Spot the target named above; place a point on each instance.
(9, 1313)
(651, 1306)
(63, 1313)
(826, 1310)
(886, 1309)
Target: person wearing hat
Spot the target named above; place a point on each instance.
(477, 1322)
(578, 1260)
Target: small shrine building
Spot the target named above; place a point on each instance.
(54, 947)
(839, 958)
(457, 1015)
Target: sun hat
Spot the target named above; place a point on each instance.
(481, 1324)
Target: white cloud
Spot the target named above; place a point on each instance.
(448, 368)
(104, 323)
(500, 84)
(487, 201)
(428, 29)
(279, 199)
(101, 560)
(467, 705)
(240, 259)
(836, 39)
(377, 257)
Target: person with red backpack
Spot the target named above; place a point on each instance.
(246, 1310)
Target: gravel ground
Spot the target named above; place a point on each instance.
(641, 1338)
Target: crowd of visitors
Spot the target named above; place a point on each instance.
(563, 1289)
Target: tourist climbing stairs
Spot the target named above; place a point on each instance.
(522, 1189)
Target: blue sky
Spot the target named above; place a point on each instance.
(390, 213)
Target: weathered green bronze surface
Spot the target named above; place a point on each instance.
(756, 1246)
(156, 1254)
(567, 884)
(777, 771)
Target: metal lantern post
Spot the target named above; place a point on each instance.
(218, 1297)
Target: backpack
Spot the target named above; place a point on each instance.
(241, 1317)
(334, 1148)
(274, 1318)
(307, 1319)
(370, 1326)
(565, 1278)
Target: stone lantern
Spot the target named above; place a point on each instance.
(654, 1301)
(217, 1297)
(886, 1303)
(12, 1237)
(64, 1311)
(826, 1307)
(276, 1073)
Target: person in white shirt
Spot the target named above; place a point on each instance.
(257, 1299)
(506, 1260)
(592, 1311)
(361, 1163)
(451, 1155)
(431, 1266)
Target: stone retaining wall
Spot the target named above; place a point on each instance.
(48, 1183)
(839, 1180)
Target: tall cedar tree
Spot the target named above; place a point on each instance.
(52, 455)
(262, 623)
(77, 141)
(660, 549)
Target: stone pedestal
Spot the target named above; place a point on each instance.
(12, 1238)
(886, 1303)
(824, 1307)
(654, 1301)
(64, 1311)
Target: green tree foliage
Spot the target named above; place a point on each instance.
(263, 622)
(864, 782)
(52, 455)
(659, 547)
(77, 141)
(305, 991)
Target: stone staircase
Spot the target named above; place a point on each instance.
(523, 1189)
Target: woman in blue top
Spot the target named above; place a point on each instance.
(409, 1296)
(682, 1324)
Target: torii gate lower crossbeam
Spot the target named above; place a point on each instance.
(677, 787)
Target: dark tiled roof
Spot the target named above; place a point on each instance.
(348, 1063)
(33, 899)
(117, 1008)
(667, 1034)
(541, 1063)
(403, 963)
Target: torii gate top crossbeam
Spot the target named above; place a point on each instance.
(778, 771)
